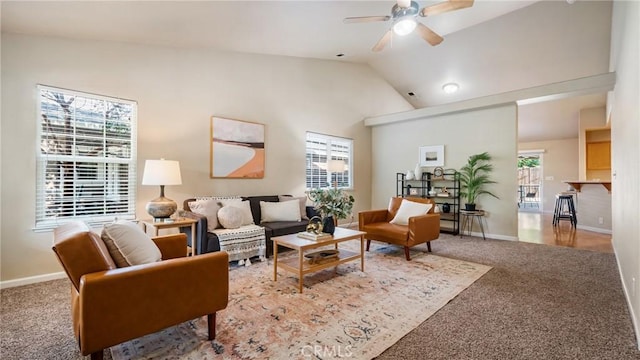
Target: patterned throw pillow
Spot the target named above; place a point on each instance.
(243, 205)
(230, 217)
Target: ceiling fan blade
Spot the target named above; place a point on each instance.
(361, 19)
(428, 35)
(383, 41)
(446, 6)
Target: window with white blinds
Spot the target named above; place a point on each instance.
(321, 150)
(86, 163)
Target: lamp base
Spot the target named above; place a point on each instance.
(161, 208)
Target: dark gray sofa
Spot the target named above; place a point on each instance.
(208, 242)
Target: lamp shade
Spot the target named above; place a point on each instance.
(335, 166)
(161, 172)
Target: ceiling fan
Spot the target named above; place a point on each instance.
(404, 15)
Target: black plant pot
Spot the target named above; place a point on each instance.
(446, 208)
(470, 207)
(328, 226)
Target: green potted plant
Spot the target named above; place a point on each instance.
(332, 204)
(474, 177)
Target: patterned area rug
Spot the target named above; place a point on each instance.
(351, 314)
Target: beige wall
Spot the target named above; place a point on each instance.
(177, 91)
(625, 142)
(463, 134)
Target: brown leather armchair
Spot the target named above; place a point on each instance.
(112, 305)
(420, 229)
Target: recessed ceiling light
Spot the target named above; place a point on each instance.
(450, 88)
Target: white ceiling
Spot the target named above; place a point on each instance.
(490, 48)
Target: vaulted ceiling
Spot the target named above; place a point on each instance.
(489, 48)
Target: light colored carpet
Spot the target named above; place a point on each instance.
(351, 314)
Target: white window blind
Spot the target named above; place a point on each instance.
(322, 148)
(86, 163)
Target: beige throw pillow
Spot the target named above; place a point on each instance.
(230, 217)
(208, 208)
(129, 245)
(409, 209)
(244, 206)
(279, 211)
(303, 204)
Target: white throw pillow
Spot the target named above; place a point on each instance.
(230, 217)
(209, 209)
(129, 245)
(303, 204)
(279, 211)
(243, 205)
(409, 209)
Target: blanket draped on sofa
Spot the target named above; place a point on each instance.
(242, 243)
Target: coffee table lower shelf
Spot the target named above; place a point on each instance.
(293, 264)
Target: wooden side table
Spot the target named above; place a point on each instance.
(159, 224)
(467, 221)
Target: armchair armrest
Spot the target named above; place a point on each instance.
(126, 303)
(423, 228)
(171, 246)
(371, 216)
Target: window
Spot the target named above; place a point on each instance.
(86, 163)
(321, 172)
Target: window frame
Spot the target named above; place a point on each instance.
(115, 177)
(336, 154)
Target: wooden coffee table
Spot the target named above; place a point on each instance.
(299, 266)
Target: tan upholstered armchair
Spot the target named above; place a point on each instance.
(112, 305)
(420, 229)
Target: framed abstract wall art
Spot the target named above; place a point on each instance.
(237, 149)
(432, 155)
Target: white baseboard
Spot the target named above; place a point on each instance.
(32, 280)
(636, 327)
(492, 236)
(594, 229)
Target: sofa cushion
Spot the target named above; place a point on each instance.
(129, 245)
(387, 230)
(279, 211)
(280, 228)
(208, 208)
(231, 217)
(302, 200)
(409, 209)
(243, 205)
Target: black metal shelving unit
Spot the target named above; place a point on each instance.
(449, 221)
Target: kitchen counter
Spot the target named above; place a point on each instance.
(576, 184)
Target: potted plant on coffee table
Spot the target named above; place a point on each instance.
(474, 178)
(332, 204)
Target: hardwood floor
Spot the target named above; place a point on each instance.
(538, 228)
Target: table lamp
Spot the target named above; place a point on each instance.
(161, 172)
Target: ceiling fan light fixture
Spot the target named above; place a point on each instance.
(450, 88)
(404, 26)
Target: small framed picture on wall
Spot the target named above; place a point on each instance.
(431, 155)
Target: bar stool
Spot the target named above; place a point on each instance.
(564, 201)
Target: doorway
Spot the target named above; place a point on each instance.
(530, 181)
